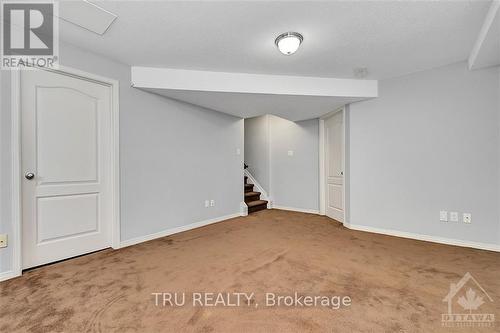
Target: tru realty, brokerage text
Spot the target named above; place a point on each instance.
(246, 299)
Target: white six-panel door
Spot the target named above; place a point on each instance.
(334, 166)
(65, 159)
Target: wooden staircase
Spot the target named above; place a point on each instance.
(252, 199)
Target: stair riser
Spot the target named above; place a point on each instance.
(256, 208)
(248, 189)
(252, 198)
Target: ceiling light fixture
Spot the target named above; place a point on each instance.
(289, 42)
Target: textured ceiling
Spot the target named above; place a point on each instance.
(390, 38)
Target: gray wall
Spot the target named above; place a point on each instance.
(257, 149)
(290, 181)
(5, 168)
(295, 179)
(430, 142)
(173, 156)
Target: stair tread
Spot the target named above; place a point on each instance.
(256, 203)
(251, 194)
(248, 185)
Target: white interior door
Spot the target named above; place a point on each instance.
(334, 166)
(66, 154)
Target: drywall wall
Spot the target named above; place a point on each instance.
(173, 156)
(257, 149)
(290, 180)
(295, 178)
(429, 142)
(5, 169)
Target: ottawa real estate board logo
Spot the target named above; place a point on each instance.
(29, 35)
(468, 305)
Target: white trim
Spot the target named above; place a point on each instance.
(300, 210)
(322, 171)
(8, 275)
(16, 156)
(434, 239)
(176, 230)
(243, 208)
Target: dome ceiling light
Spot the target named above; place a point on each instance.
(288, 42)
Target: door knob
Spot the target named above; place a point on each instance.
(29, 175)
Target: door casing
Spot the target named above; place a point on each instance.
(16, 188)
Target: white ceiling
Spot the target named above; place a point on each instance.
(390, 38)
(291, 107)
(86, 15)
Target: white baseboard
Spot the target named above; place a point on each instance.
(243, 209)
(176, 230)
(301, 210)
(434, 239)
(8, 275)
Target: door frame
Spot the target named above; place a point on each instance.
(16, 186)
(322, 160)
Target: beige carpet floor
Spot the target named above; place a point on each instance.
(395, 284)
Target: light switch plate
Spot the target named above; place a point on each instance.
(453, 216)
(443, 216)
(212, 203)
(207, 203)
(3, 240)
(290, 153)
(467, 218)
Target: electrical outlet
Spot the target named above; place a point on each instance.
(290, 153)
(3, 240)
(453, 216)
(212, 203)
(467, 218)
(207, 203)
(443, 216)
(238, 151)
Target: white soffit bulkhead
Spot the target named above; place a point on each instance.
(249, 95)
(86, 15)
(486, 50)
